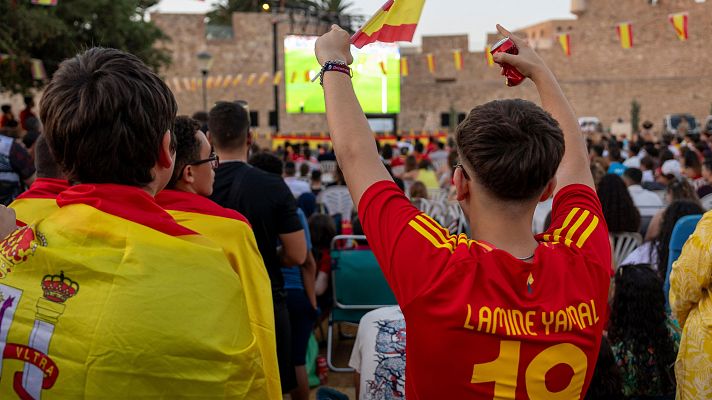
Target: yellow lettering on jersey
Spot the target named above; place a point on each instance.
(467, 320)
(565, 353)
(547, 322)
(572, 313)
(502, 371)
(595, 314)
(585, 314)
(485, 317)
(499, 319)
(562, 323)
(530, 323)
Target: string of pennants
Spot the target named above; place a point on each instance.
(624, 31)
(226, 81)
(37, 68)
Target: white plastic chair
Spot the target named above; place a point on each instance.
(707, 202)
(623, 244)
(337, 200)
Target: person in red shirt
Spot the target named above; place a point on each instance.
(503, 314)
(27, 112)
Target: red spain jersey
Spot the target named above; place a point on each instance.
(482, 324)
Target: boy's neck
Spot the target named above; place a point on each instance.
(507, 228)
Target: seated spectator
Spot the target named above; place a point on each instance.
(678, 189)
(378, 355)
(606, 383)
(647, 166)
(297, 186)
(418, 191)
(669, 171)
(6, 116)
(322, 230)
(692, 168)
(615, 159)
(706, 187)
(618, 208)
(648, 203)
(315, 182)
(644, 340)
(421, 171)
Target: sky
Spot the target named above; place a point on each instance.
(443, 17)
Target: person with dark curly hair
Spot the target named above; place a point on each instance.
(618, 207)
(644, 340)
(607, 383)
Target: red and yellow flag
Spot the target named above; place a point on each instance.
(382, 64)
(431, 62)
(218, 81)
(488, 56)
(679, 22)
(395, 21)
(459, 62)
(38, 70)
(263, 78)
(237, 80)
(193, 85)
(404, 66)
(625, 34)
(227, 81)
(565, 41)
(186, 83)
(210, 82)
(177, 85)
(294, 77)
(307, 76)
(251, 79)
(277, 78)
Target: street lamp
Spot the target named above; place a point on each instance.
(205, 61)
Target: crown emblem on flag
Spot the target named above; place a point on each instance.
(58, 288)
(17, 247)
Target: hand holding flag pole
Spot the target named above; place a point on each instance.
(394, 22)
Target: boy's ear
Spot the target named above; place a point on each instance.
(187, 174)
(462, 185)
(166, 156)
(548, 190)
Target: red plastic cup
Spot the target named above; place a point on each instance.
(322, 370)
(512, 76)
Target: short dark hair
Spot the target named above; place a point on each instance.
(267, 162)
(290, 169)
(29, 100)
(512, 146)
(634, 174)
(6, 108)
(229, 124)
(105, 114)
(187, 146)
(45, 164)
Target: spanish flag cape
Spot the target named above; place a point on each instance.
(39, 201)
(233, 232)
(109, 297)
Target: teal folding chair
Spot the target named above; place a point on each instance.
(684, 227)
(359, 287)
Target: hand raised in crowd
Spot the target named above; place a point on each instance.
(527, 61)
(334, 45)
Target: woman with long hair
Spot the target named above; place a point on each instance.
(672, 214)
(677, 189)
(618, 208)
(644, 340)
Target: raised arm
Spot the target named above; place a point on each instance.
(574, 167)
(350, 133)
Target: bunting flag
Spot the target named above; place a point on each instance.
(277, 78)
(45, 2)
(193, 84)
(251, 79)
(404, 66)
(38, 70)
(431, 62)
(218, 81)
(227, 81)
(236, 81)
(488, 56)
(679, 22)
(176, 85)
(307, 76)
(459, 63)
(186, 84)
(565, 41)
(209, 83)
(395, 21)
(294, 77)
(263, 78)
(625, 34)
(382, 64)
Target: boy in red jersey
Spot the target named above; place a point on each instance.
(506, 315)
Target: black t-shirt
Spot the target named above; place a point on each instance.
(266, 201)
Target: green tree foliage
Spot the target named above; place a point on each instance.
(52, 34)
(222, 14)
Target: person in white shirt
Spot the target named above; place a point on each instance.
(648, 203)
(297, 186)
(378, 355)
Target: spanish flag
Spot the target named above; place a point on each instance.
(263, 78)
(109, 295)
(294, 77)
(307, 76)
(625, 34)
(565, 42)
(431, 62)
(209, 83)
(227, 81)
(488, 56)
(679, 22)
(218, 81)
(404, 66)
(395, 21)
(38, 70)
(277, 78)
(237, 80)
(382, 64)
(193, 84)
(39, 201)
(186, 83)
(457, 56)
(251, 79)
(232, 231)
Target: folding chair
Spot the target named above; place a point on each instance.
(623, 244)
(358, 285)
(684, 227)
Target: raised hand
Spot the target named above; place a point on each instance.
(334, 45)
(527, 61)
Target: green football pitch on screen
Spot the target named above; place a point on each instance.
(377, 92)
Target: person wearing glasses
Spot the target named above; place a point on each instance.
(186, 199)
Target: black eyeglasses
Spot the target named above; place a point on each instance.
(214, 161)
(458, 165)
